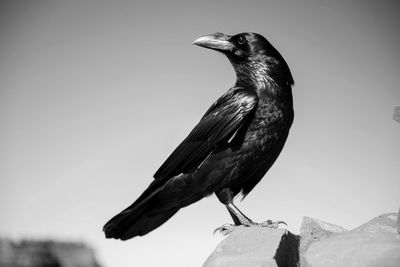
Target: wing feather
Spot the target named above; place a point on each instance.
(218, 124)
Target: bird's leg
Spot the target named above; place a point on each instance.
(225, 196)
(243, 219)
(247, 222)
(239, 218)
(234, 218)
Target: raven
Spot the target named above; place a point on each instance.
(230, 149)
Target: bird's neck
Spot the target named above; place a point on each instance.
(267, 76)
(254, 74)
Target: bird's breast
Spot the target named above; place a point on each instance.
(270, 124)
(248, 157)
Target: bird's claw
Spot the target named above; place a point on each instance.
(272, 224)
(228, 228)
(225, 229)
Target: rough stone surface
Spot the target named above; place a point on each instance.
(375, 243)
(30, 253)
(313, 230)
(256, 247)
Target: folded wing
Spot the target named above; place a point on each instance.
(216, 127)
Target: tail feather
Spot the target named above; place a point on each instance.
(159, 202)
(143, 216)
(146, 214)
(132, 222)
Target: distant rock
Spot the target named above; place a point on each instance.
(398, 222)
(375, 243)
(396, 114)
(256, 247)
(30, 253)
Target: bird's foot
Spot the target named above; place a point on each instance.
(228, 228)
(225, 229)
(271, 224)
(267, 223)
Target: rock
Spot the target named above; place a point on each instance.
(320, 244)
(398, 222)
(396, 114)
(31, 253)
(313, 230)
(375, 243)
(256, 246)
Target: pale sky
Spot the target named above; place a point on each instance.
(95, 95)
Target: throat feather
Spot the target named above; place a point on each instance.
(254, 74)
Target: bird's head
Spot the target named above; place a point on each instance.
(251, 55)
(239, 47)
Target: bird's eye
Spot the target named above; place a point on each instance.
(241, 40)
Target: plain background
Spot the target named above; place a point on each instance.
(95, 95)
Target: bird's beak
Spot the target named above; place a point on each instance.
(217, 41)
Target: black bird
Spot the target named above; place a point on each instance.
(230, 149)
